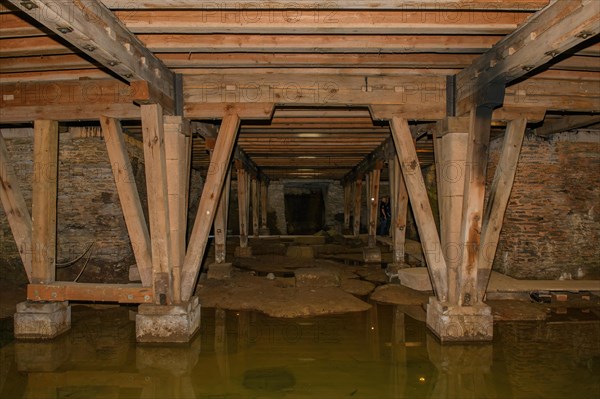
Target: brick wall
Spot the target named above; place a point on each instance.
(88, 208)
(552, 224)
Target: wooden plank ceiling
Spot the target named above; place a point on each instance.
(355, 37)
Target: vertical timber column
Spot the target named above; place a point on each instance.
(357, 205)
(43, 209)
(15, 208)
(399, 204)
(242, 187)
(373, 199)
(158, 202)
(451, 154)
(473, 200)
(177, 132)
(264, 207)
(347, 202)
(220, 224)
(255, 206)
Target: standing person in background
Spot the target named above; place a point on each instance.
(385, 216)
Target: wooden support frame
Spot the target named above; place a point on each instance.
(264, 203)
(473, 200)
(415, 185)
(493, 218)
(220, 223)
(242, 190)
(373, 202)
(211, 193)
(69, 291)
(347, 204)
(15, 208)
(399, 205)
(255, 206)
(43, 209)
(158, 202)
(178, 150)
(129, 197)
(357, 206)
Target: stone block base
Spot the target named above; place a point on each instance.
(300, 252)
(220, 271)
(42, 320)
(372, 255)
(314, 277)
(416, 278)
(168, 323)
(453, 323)
(243, 252)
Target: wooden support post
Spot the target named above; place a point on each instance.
(220, 224)
(15, 208)
(450, 154)
(473, 199)
(177, 148)
(415, 185)
(399, 204)
(211, 193)
(493, 218)
(357, 205)
(129, 197)
(242, 186)
(347, 202)
(373, 201)
(158, 202)
(264, 207)
(43, 209)
(255, 206)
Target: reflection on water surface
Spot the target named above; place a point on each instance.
(382, 353)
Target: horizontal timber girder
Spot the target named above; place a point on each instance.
(67, 291)
(98, 33)
(372, 161)
(550, 32)
(244, 161)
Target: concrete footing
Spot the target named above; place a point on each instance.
(42, 320)
(316, 277)
(243, 252)
(300, 251)
(460, 323)
(372, 255)
(168, 323)
(220, 271)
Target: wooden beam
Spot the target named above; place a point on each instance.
(357, 206)
(264, 204)
(347, 204)
(43, 209)
(373, 202)
(313, 8)
(550, 32)
(564, 123)
(98, 33)
(158, 202)
(417, 192)
(498, 201)
(208, 204)
(129, 197)
(220, 224)
(399, 205)
(255, 206)
(177, 153)
(15, 208)
(67, 291)
(372, 160)
(472, 208)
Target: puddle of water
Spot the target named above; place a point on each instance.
(378, 354)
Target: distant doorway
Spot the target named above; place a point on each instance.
(304, 210)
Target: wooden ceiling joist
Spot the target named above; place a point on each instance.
(98, 33)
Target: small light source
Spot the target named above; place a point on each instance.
(421, 379)
(29, 5)
(64, 29)
(372, 328)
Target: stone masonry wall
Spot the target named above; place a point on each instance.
(88, 209)
(552, 224)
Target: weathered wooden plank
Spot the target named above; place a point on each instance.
(242, 187)
(98, 33)
(415, 185)
(264, 204)
(158, 202)
(15, 208)
(373, 202)
(498, 200)
(255, 206)
(208, 204)
(399, 205)
(347, 204)
(565, 123)
(357, 206)
(220, 224)
(68, 291)
(43, 209)
(129, 197)
(472, 208)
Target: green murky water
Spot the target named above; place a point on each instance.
(382, 353)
